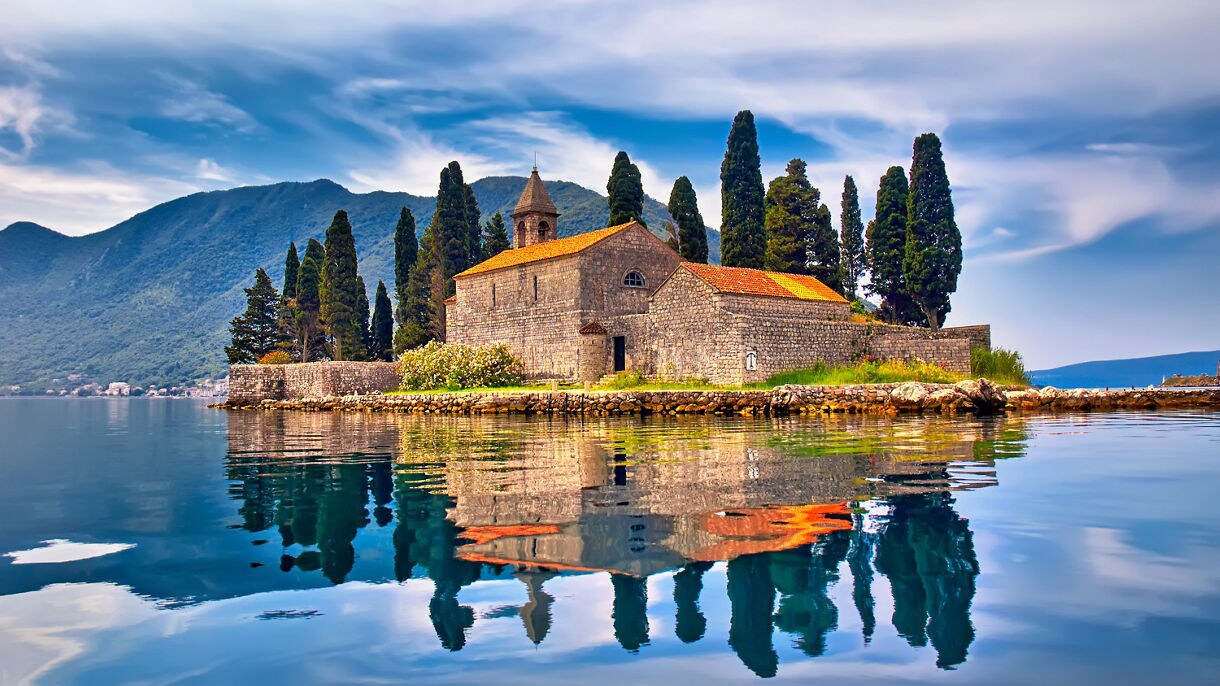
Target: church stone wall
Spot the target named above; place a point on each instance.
(603, 266)
(694, 336)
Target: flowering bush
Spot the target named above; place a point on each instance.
(276, 357)
(454, 366)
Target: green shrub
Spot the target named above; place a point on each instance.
(625, 380)
(999, 365)
(454, 366)
(276, 357)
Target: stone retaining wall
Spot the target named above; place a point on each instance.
(251, 383)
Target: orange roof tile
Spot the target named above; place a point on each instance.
(544, 251)
(450, 300)
(757, 282)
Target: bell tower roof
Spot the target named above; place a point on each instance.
(535, 199)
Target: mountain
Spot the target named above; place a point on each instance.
(149, 300)
(1138, 372)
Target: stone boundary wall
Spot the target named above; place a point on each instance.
(257, 382)
(951, 353)
(980, 397)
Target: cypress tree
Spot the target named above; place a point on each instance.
(255, 333)
(743, 241)
(791, 206)
(886, 245)
(933, 255)
(382, 347)
(495, 237)
(362, 319)
(291, 266)
(339, 291)
(406, 251)
(692, 234)
(311, 337)
(823, 247)
(472, 229)
(419, 317)
(625, 191)
(851, 238)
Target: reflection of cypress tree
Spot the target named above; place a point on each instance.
(425, 537)
(689, 624)
(802, 575)
(381, 482)
(927, 552)
(751, 599)
(630, 611)
(256, 492)
(340, 515)
(859, 560)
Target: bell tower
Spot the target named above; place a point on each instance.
(535, 217)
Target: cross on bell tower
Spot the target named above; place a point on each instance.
(535, 217)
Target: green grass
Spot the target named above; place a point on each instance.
(1000, 365)
(867, 372)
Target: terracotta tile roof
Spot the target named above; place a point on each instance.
(450, 300)
(544, 251)
(593, 328)
(535, 198)
(757, 282)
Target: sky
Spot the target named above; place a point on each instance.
(1082, 138)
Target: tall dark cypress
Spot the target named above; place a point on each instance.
(495, 237)
(692, 234)
(291, 265)
(382, 347)
(255, 333)
(311, 336)
(339, 292)
(851, 238)
(625, 191)
(933, 256)
(362, 319)
(886, 247)
(472, 229)
(743, 241)
(406, 251)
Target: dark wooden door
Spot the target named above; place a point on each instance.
(620, 353)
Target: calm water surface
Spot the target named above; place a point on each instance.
(159, 541)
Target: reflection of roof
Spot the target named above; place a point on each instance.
(535, 198)
(757, 282)
(767, 529)
(560, 247)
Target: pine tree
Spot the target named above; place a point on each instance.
(933, 255)
(362, 319)
(885, 250)
(625, 191)
(743, 240)
(311, 336)
(291, 266)
(382, 347)
(406, 251)
(255, 333)
(340, 297)
(851, 238)
(495, 237)
(791, 207)
(692, 234)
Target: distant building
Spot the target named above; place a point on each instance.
(118, 388)
(619, 298)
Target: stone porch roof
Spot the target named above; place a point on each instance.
(560, 247)
(743, 281)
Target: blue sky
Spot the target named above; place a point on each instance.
(1081, 138)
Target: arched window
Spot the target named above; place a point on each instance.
(751, 361)
(633, 279)
(543, 230)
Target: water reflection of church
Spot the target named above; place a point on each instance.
(488, 501)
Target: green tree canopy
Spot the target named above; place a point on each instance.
(255, 333)
(851, 238)
(340, 292)
(692, 234)
(291, 265)
(418, 325)
(311, 337)
(933, 255)
(495, 237)
(626, 191)
(406, 251)
(382, 347)
(363, 313)
(886, 248)
(800, 238)
(743, 240)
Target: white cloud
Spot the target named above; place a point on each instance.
(191, 102)
(23, 112)
(209, 170)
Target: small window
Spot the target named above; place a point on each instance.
(535, 288)
(751, 361)
(633, 279)
(493, 295)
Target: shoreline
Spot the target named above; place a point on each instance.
(965, 397)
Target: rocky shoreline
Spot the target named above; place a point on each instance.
(977, 397)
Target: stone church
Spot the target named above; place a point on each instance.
(619, 298)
